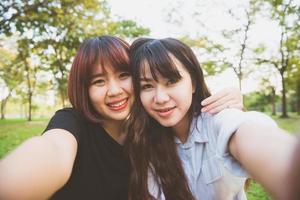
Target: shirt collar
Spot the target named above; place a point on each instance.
(196, 133)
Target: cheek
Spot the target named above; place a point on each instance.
(96, 95)
(146, 100)
(91, 94)
(127, 85)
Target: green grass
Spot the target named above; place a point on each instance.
(14, 131)
(256, 192)
(291, 124)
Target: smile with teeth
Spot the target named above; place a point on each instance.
(118, 105)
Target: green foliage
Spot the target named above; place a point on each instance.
(9, 69)
(259, 101)
(52, 31)
(212, 65)
(126, 28)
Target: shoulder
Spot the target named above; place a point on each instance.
(228, 115)
(68, 119)
(68, 112)
(67, 116)
(223, 118)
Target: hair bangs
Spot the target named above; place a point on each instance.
(159, 61)
(115, 55)
(107, 53)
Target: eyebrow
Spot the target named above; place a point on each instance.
(97, 75)
(146, 79)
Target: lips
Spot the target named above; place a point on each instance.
(118, 104)
(165, 112)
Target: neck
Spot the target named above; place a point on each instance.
(181, 129)
(116, 130)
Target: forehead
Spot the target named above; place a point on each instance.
(108, 61)
(100, 69)
(155, 72)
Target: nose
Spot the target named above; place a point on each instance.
(114, 88)
(161, 96)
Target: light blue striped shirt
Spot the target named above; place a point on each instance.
(213, 174)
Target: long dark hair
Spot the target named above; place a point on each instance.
(150, 145)
(104, 51)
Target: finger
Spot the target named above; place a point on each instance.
(229, 104)
(214, 97)
(221, 107)
(218, 103)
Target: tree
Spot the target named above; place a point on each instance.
(293, 81)
(257, 101)
(231, 48)
(238, 38)
(269, 91)
(8, 69)
(286, 14)
(30, 71)
(53, 30)
(207, 51)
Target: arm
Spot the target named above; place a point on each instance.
(38, 167)
(265, 152)
(226, 98)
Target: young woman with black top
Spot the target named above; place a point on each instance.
(80, 154)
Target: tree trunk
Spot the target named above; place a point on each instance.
(3, 105)
(29, 93)
(29, 106)
(3, 102)
(273, 101)
(284, 108)
(240, 77)
(298, 96)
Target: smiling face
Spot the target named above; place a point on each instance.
(167, 100)
(110, 93)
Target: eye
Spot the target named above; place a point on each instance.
(171, 81)
(146, 86)
(98, 82)
(124, 75)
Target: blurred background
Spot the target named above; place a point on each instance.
(253, 45)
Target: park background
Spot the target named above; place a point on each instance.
(249, 44)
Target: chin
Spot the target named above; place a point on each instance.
(166, 123)
(120, 117)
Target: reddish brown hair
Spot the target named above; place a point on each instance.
(105, 51)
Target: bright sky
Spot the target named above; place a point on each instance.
(155, 14)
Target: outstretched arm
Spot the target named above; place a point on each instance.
(38, 167)
(265, 151)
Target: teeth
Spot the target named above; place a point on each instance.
(118, 104)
